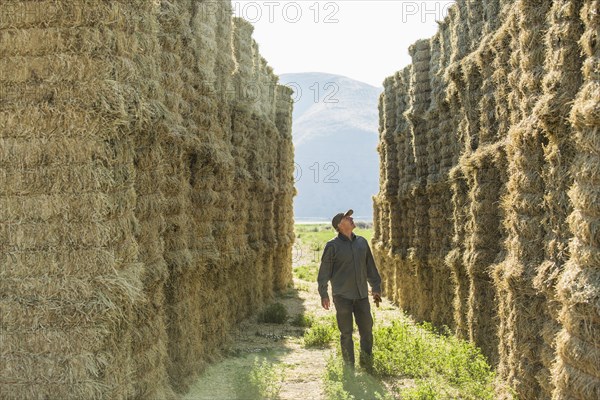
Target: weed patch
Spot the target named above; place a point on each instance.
(445, 366)
(262, 381)
(322, 333)
(307, 272)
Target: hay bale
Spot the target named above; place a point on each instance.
(491, 16)
(576, 373)
(475, 22)
(388, 133)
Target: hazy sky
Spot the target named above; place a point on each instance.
(366, 40)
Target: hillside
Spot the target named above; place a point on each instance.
(335, 136)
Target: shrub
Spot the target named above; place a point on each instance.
(303, 320)
(275, 313)
(321, 333)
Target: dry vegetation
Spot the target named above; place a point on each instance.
(146, 185)
(488, 214)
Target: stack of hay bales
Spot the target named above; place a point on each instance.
(150, 339)
(261, 125)
(446, 286)
(577, 370)
(507, 98)
(437, 189)
(71, 270)
(420, 93)
(523, 206)
(177, 56)
(456, 48)
(392, 234)
(403, 275)
(130, 214)
(560, 88)
(481, 165)
(285, 192)
(388, 176)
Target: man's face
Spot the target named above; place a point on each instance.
(347, 223)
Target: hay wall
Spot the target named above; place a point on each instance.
(500, 166)
(139, 188)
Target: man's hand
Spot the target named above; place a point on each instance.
(325, 303)
(377, 298)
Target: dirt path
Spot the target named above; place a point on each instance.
(300, 370)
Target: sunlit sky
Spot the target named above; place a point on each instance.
(366, 40)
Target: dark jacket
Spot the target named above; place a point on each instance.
(348, 264)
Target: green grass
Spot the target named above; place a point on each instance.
(307, 272)
(442, 361)
(274, 313)
(442, 366)
(322, 333)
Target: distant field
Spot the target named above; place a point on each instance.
(316, 235)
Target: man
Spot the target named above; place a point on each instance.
(348, 263)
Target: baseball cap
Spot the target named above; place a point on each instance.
(338, 218)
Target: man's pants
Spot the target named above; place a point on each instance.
(361, 309)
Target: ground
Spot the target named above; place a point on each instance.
(299, 370)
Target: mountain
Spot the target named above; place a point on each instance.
(335, 134)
